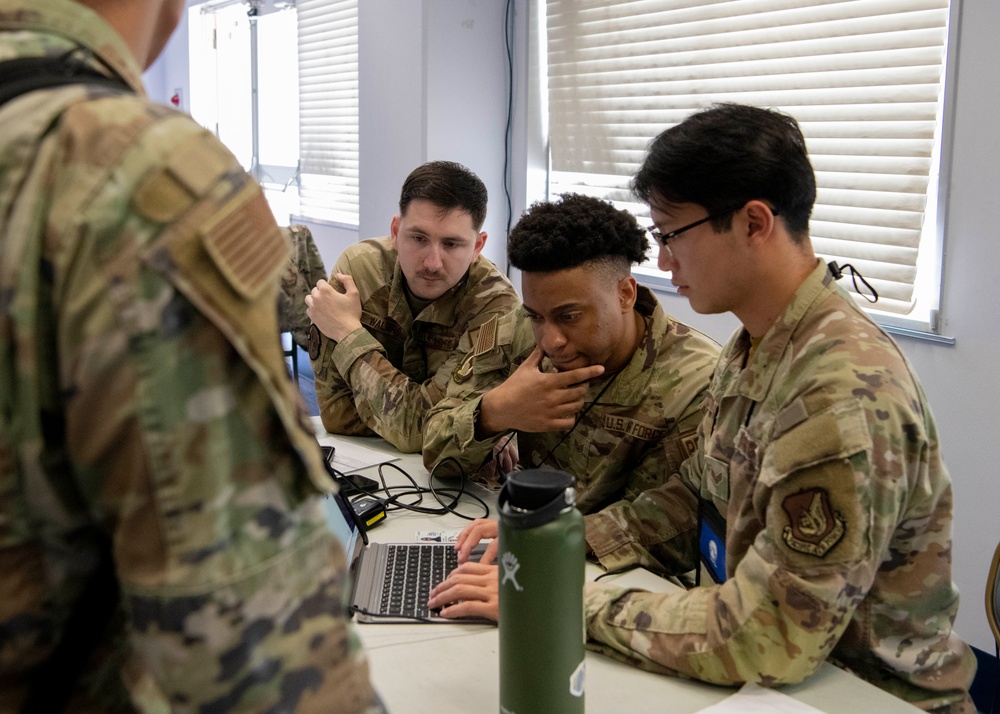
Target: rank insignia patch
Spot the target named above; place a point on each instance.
(690, 444)
(814, 527)
(464, 371)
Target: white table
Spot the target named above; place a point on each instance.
(453, 669)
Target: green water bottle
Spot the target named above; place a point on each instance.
(541, 558)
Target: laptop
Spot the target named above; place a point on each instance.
(391, 581)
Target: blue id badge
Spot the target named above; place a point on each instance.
(711, 542)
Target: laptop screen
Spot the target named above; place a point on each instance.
(340, 520)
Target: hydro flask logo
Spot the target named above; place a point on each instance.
(510, 568)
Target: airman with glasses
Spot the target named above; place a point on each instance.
(818, 473)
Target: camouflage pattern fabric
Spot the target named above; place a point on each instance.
(145, 415)
(303, 270)
(822, 455)
(623, 452)
(385, 377)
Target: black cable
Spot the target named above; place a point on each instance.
(837, 271)
(580, 417)
(389, 615)
(499, 476)
(508, 29)
(418, 618)
(618, 571)
(393, 494)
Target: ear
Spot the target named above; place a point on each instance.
(627, 293)
(760, 222)
(480, 244)
(394, 232)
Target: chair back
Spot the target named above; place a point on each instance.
(303, 271)
(992, 610)
(993, 596)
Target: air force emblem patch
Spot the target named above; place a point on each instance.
(314, 342)
(813, 526)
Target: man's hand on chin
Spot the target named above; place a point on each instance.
(535, 401)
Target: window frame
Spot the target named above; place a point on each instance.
(926, 323)
(283, 184)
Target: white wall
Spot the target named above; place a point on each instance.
(963, 382)
(433, 86)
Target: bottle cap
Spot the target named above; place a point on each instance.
(535, 496)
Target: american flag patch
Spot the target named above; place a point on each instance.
(487, 339)
(245, 244)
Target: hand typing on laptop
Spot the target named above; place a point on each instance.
(472, 535)
(471, 588)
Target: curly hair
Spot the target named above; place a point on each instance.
(556, 235)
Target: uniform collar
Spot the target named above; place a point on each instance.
(756, 377)
(78, 25)
(441, 311)
(626, 390)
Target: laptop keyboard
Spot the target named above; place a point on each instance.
(411, 572)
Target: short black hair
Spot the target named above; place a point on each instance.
(556, 235)
(724, 156)
(448, 186)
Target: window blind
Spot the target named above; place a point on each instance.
(862, 77)
(328, 109)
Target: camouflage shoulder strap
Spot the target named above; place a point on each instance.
(27, 74)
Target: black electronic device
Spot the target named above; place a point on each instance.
(370, 510)
(353, 484)
(350, 484)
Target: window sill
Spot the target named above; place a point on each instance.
(330, 222)
(893, 324)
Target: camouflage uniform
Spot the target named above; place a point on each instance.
(150, 441)
(383, 378)
(623, 451)
(303, 270)
(822, 455)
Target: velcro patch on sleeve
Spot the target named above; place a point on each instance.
(245, 244)
(191, 171)
(819, 512)
(487, 337)
(836, 432)
(161, 197)
(820, 516)
(199, 162)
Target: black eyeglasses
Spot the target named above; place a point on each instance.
(664, 238)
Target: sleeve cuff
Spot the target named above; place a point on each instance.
(465, 429)
(611, 544)
(355, 345)
(598, 601)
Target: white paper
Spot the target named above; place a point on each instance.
(754, 699)
(437, 536)
(350, 457)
